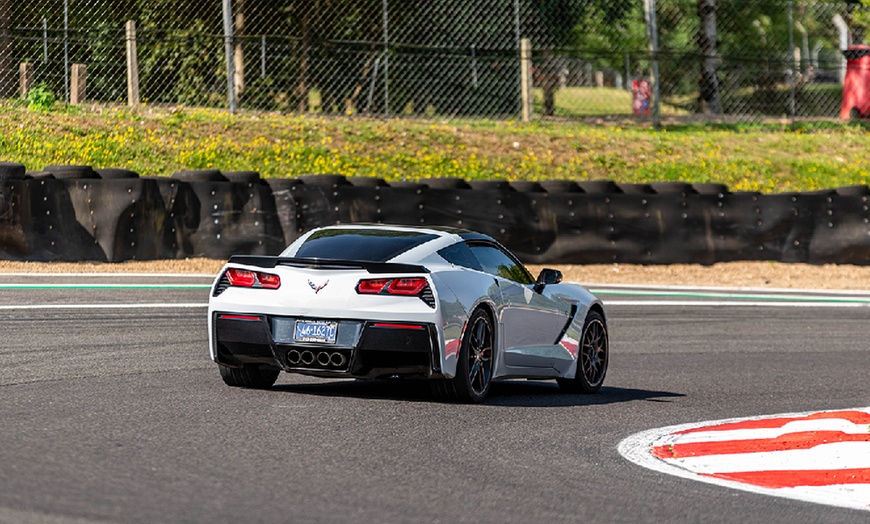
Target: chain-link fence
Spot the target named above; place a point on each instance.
(733, 60)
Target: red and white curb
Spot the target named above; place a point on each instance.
(821, 457)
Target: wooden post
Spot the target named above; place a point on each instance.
(78, 79)
(526, 77)
(132, 66)
(25, 78)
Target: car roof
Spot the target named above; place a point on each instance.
(438, 238)
(441, 231)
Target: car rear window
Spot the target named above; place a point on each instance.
(366, 245)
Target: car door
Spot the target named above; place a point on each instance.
(532, 321)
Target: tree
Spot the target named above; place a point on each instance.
(707, 43)
(7, 80)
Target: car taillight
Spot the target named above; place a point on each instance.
(391, 286)
(372, 287)
(245, 278)
(241, 277)
(269, 281)
(406, 286)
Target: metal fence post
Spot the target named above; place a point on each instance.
(44, 40)
(386, 60)
(791, 106)
(263, 56)
(519, 51)
(228, 51)
(66, 50)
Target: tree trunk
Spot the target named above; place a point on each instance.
(709, 83)
(549, 79)
(8, 68)
(238, 51)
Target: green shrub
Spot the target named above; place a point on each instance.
(40, 98)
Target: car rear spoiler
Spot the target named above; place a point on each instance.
(327, 263)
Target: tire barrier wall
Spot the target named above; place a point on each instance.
(72, 213)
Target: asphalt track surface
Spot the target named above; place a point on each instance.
(110, 411)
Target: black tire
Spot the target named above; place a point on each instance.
(491, 185)
(527, 186)
(12, 171)
(474, 369)
(561, 186)
(242, 177)
(250, 376)
(72, 172)
(445, 183)
(367, 181)
(331, 180)
(114, 173)
(854, 114)
(200, 175)
(592, 357)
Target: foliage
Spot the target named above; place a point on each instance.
(40, 98)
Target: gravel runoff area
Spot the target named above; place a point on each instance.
(730, 274)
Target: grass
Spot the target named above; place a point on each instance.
(156, 141)
(578, 102)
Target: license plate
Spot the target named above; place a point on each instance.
(320, 331)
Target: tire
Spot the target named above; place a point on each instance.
(113, 173)
(250, 376)
(12, 171)
(200, 175)
(72, 172)
(592, 357)
(854, 114)
(242, 177)
(445, 183)
(474, 369)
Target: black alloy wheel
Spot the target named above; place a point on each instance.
(478, 355)
(474, 369)
(592, 357)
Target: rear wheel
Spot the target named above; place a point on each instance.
(474, 369)
(250, 376)
(592, 357)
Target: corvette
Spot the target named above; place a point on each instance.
(371, 301)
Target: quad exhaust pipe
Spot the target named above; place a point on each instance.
(324, 359)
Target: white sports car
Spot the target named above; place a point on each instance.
(370, 301)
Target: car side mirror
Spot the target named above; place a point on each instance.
(547, 276)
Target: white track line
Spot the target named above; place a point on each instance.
(739, 303)
(767, 290)
(103, 306)
(104, 275)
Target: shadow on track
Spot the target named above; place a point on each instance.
(513, 393)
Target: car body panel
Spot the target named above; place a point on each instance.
(537, 327)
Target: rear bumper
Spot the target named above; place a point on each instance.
(362, 348)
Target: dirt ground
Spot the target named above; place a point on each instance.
(731, 274)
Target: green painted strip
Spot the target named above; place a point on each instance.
(770, 298)
(105, 286)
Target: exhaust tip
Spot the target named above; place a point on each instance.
(337, 359)
(293, 357)
(323, 358)
(307, 358)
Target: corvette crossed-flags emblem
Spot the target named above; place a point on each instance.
(317, 288)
